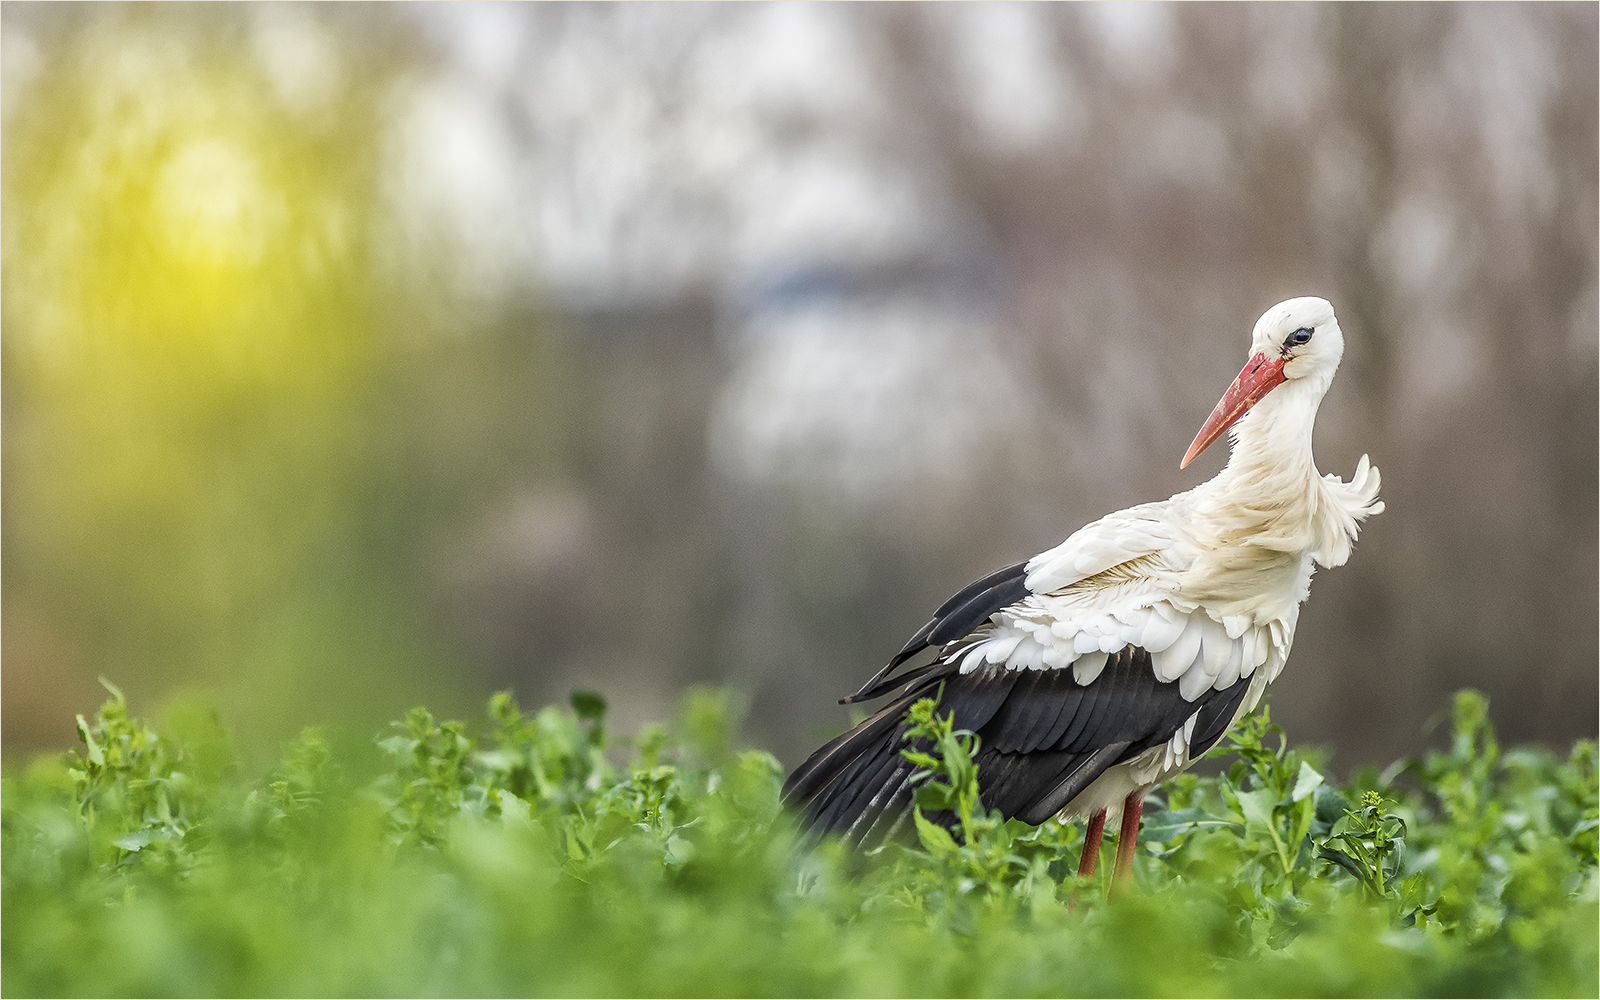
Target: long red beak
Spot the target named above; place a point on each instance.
(1259, 377)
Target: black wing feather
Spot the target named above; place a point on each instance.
(1088, 712)
(884, 687)
(1070, 704)
(834, 757)
(967, 617)
(1026, 719)
(1044, 739)
(955, 618)
(1214, 720)
(854, 801)
(1081, 776)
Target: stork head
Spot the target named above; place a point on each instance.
(1297, 342)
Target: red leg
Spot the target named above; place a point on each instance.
(1091, 843)
(1128, 839)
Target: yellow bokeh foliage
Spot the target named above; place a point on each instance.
(196, 312)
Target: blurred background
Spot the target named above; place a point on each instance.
(357, 356)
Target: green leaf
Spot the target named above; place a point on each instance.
(936, 840)
(680, 851)
(1306, 782)
(513, 808)
(1257, 808)
(1345, 861)
(588, 704)
(934, 795)
(116, 692)
(1169, 823)
(397, 745)
(137, 840)
(96, 755)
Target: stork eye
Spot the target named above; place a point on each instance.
(1298, 337)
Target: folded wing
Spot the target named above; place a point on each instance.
(1059, 685)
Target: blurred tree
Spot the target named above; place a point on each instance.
(234, 435)
(1113, 191)
(266, 432)
(1430, 170)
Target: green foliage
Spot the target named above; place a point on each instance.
(1368, 844)
(996, 858)
(134, 794)
(530, 855)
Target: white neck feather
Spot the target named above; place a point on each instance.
(1269, 509)
(1271, 460)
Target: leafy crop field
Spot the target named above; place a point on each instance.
(521, 856)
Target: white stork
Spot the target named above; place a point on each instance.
(1101, 667)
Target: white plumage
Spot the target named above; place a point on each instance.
(1204, 589)
(1208, 582)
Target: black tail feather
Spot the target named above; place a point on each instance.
(856, 780)
(955, 617)
(825, 765)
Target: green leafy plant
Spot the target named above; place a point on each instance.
(534, 853)
(1369, 843)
